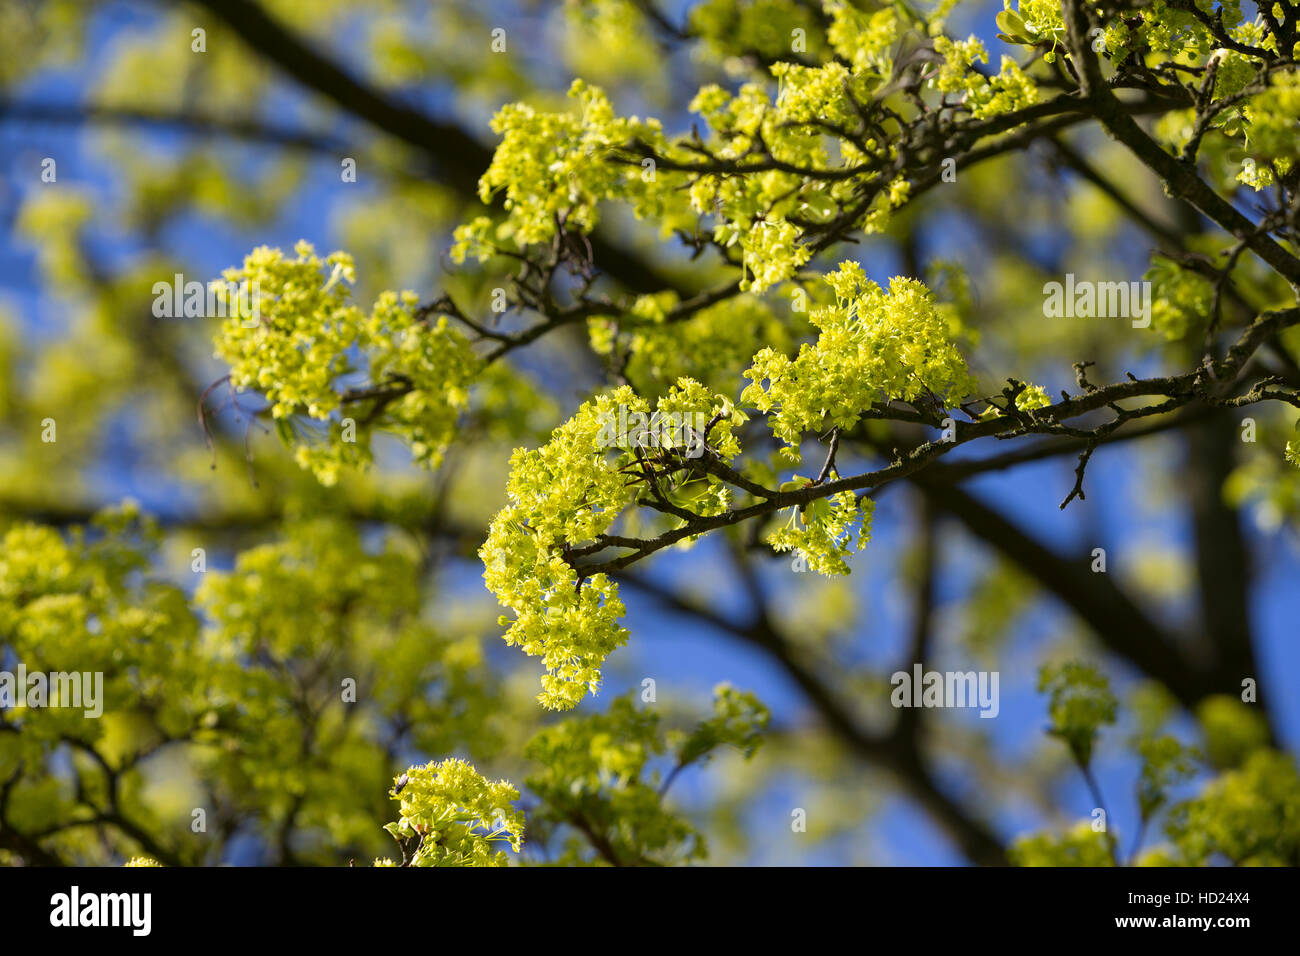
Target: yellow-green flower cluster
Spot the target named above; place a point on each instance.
(1180, 298)
(1165, 763)
(1165, 29)
(735, 28)
(1249, 816)
(563, 495)
(591, 777)
(82, 604)
(430, 358)
(1034, 19)
(823, 531)
(460, 817)
(557, 166)
(1031, 397)
(865, 39)
(1081, 845)
(1011, 89)
(1255, 176)
(606, 40)
(1233, 730)
(1081, 703)
(753, 211)
(304, 325)
(296, 709)
(739, 720)
(873, 346)
(1173, 32)
(806, 93)
(594, 775)
(1272, 120)
(320, 571)
(307, 337)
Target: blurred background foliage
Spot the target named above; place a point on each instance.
(222, 686)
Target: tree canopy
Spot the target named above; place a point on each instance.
(412, 411)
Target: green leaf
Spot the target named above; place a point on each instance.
(1013, 28)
